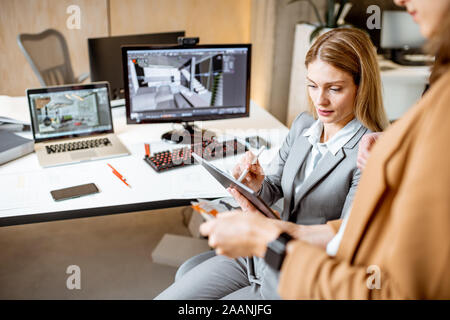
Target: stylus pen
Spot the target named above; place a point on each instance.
(244, 173)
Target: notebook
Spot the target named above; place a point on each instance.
(13, 146)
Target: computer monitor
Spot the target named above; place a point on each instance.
(105, 56)
(185, 84)
(401, 35)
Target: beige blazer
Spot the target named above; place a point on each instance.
(397, 241)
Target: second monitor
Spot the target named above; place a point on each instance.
(185, 84)
(105, 56)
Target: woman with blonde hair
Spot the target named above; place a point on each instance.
(314, 171)
(395, 241)
(351, 51)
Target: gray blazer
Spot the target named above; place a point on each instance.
(327, 193)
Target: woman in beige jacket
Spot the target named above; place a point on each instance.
(395, 243)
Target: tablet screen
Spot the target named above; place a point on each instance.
(227, 181)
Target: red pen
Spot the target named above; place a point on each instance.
(115, 171)
(118, 175)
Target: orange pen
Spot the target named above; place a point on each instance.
(118, 175)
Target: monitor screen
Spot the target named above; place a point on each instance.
(69, 111)
(399, 31)
(181, 84)
(105, 57)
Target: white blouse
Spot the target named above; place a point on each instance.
(318, 152)
(319, 149)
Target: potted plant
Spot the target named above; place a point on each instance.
(334, 17)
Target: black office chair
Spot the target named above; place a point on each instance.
(49, 57)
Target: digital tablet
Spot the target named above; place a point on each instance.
(227, 181)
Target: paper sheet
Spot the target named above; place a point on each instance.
(15, 108)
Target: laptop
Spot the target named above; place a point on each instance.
(73, 123)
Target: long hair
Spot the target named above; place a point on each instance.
(351, 51)
(439, 46)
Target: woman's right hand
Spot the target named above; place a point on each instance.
(365, 145)
(255, 175)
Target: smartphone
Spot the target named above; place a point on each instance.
(74, 192)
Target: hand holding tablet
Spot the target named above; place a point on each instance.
(228, 181)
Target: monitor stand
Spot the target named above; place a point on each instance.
(189, 134)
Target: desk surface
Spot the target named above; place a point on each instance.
(25, 186)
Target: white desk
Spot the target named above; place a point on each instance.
(403, 86)
(25, 186)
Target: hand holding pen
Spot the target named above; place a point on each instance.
(249, 171)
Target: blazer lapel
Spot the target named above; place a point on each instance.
(328, 163)
(324, 167)
(302, 148)
(373, 183)
(370, 189)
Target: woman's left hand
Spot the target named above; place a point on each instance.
(235, 234)
(246, 205)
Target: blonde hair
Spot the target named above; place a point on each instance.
(351, 51)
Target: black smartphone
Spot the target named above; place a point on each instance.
(74, 192)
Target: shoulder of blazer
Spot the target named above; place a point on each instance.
(303, 121)
(354, 141)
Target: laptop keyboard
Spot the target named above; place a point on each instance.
(78, 145)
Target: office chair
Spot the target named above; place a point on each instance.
(49, 57)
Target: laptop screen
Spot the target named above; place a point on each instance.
(70, 111)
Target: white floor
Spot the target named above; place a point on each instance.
(113, 253)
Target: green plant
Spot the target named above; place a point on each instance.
(316, 12)
(332, 15)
